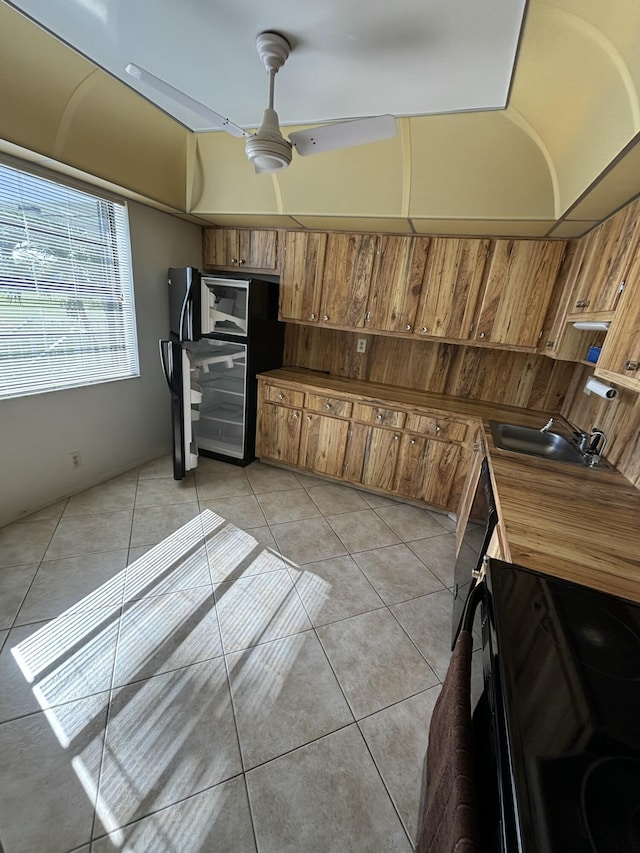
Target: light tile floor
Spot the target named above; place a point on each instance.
(194, 691)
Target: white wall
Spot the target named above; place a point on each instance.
(114, 425)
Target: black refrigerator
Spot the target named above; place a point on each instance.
(224, 330)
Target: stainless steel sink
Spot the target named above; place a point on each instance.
(545, 445)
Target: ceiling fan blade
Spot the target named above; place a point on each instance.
(216, 121)
(330, 137)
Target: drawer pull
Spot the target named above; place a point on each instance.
(407, 327)
(308, 417)
(280, 396)
(436, 429)
(631, 365)
(378, 417)
(412, 441)
(481, 334)
(582, 303)
(325, 317)
(327, 405)
(295, 415)
(312, 316)
(425, 329)
(396, 437)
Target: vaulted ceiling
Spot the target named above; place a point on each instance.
(560, 157)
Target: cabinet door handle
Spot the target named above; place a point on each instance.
(407, 328)
(425, 330)
(481, 334)
(296, 415)
(396, 437)
(325, 317)
(280, 396)
(631, 365)
(582, 303)
(234, 260)
(412, 441)
(308, 417)
(378, 417)
(312, 316)
(436, 429)
(242, 261)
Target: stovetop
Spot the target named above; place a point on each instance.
(569, 672)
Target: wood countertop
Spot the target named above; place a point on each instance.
(574, 522)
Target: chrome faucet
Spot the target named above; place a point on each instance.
(598, 442)
(548, 425)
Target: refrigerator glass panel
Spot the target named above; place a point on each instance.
(221, 375)
(224, 306)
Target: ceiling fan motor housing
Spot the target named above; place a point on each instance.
(267, 149)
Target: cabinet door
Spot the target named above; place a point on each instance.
(302, 267)
(347, 276)
(428, 471)
(619, 360)
(520, 282)
(323, 444)
(399, 268)
(278, 435)
(372, 454)
(220, 247)
(240, 249)
(258, 250)
(608, 254)
(451, 288)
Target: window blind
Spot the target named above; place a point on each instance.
(67, 314)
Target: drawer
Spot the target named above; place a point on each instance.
(329, 405)
(437, 427)
(378, 415)
(278, 394)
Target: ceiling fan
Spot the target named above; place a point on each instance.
(267, 148)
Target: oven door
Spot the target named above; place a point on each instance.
(478, 531)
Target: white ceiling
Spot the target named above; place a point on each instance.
(350, 58)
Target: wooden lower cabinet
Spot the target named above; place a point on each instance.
(278, 435)
(363, 442)
(428, 471)
(372, 454)
(323, 444)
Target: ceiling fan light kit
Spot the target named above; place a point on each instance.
(267, 149)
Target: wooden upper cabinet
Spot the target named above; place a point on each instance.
(348, 268)
(519, 286)
(619, 360)
(451, 288)
(233, 248)
(301, 270)
(398, 271)
(608, 254)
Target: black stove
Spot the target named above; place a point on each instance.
(562, 663)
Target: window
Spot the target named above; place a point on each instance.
(67, 314)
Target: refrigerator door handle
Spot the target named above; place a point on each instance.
(167, 362)
(186, 314)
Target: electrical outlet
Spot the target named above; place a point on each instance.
(75, 458)
(361, 346)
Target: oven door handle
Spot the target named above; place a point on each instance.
(475, 597)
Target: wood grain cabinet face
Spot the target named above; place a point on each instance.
(428, 471)
(323, 444)
(233, 248)
(519, 286)
(278, 435)
(451, 288)
(619, 360)
(399, 269)
(608, 254)
(302, 268)
(378, 415)
(372, 454)
(346, 281)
